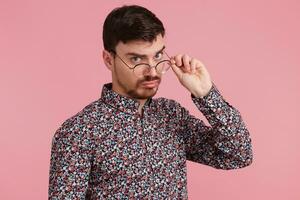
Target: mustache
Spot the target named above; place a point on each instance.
(150, 78)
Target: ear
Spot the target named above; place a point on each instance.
(108, 59)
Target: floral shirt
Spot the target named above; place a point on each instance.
(110, 151)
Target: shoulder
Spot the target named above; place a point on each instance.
(80, 125)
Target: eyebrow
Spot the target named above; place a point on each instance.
(143, 55)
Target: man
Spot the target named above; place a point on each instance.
(129, 145)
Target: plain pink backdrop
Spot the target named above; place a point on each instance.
(51, 67)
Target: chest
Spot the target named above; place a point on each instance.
(135, 146)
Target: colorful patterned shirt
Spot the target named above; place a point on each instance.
(110, 151)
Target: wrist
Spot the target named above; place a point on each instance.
(203, 92)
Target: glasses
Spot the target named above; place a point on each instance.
(142, 69)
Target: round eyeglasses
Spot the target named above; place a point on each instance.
(142, 69)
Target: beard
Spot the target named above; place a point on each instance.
(138, 92)
(144, 93)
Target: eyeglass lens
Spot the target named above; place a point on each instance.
(144, 69)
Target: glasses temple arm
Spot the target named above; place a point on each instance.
(167, 55)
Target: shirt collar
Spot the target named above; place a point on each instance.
(122, 103)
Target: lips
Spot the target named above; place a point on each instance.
(150, 84)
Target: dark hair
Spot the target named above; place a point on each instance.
(128, 23)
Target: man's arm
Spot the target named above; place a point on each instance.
(70, 162)
(225, 145)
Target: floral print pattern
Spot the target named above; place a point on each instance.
(109, 151)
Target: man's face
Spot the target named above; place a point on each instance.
(125, 82)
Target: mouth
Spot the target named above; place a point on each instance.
(150, 84)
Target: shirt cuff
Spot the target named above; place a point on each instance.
(210, 102)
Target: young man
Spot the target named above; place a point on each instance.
(129, 145)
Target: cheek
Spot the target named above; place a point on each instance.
(127, 76)
(122, 71)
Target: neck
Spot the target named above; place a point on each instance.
(142, 103)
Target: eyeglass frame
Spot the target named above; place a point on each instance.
(132, 68)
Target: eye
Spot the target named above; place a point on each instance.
(159, 56)
(135, 59)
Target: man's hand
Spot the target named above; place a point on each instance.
(192, 74)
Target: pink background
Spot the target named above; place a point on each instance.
(51, 67)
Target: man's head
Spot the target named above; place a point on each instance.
(133, 35)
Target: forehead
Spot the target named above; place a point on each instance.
(141, 46)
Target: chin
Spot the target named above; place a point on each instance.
(146, 93)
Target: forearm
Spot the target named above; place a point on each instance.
(229, 133)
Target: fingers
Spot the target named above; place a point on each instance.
(185, 63)
(193, 65)
(176, 69)
(178, 60)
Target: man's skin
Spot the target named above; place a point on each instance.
(191, 73)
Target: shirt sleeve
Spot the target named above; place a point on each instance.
(226, 144)
(70, 162)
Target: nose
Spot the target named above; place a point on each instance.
(152, 71)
